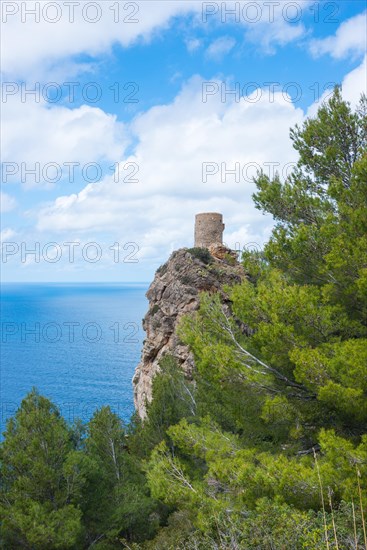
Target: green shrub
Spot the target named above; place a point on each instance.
(185, 280)
(229, 259)
(201, 254)
(162, 269)
(154, 309)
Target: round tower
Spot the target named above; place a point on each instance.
(209, 229)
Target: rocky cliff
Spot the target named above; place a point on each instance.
(174, 292)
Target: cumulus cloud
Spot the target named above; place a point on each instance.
(56, 34)
(59, 32)
(191, 157)
(274, 23)
(353, 85)
(350, 39)
(35, 133)
(185, 151)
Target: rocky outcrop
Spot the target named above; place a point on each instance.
(173, 293)
(221, 252)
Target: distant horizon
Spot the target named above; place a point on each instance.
(75, 282)
(115, 139)
(56, 336)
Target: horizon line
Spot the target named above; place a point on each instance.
(76, 282)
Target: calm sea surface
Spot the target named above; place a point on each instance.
(78, 344)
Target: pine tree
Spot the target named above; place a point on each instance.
(41, 479)
(281, 379)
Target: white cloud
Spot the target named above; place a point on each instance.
(34, 47)
(220, 47)
(353, 85)
(47, 50)
(7, 202)
(35, 133)
(350, 39)
(173, 141)
(277, 23)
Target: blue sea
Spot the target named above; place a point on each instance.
(78, 344)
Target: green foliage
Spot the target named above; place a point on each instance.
(41, 479)
(173, 399)
(254, 263)
(320, 237)
(201, 254)
(301, 364)
(229, 259)
(162, 269)
(116, 501)
(154, 309)
(186, 279)
(267, 447)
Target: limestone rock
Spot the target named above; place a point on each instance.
(174, 292)
(221, 252)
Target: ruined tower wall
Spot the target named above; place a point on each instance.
(209, 229)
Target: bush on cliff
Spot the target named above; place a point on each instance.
(201, 254)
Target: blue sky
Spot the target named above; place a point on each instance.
(150, 98)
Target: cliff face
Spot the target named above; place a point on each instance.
(174, 292)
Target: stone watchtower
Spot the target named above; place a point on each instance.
(209, 229)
